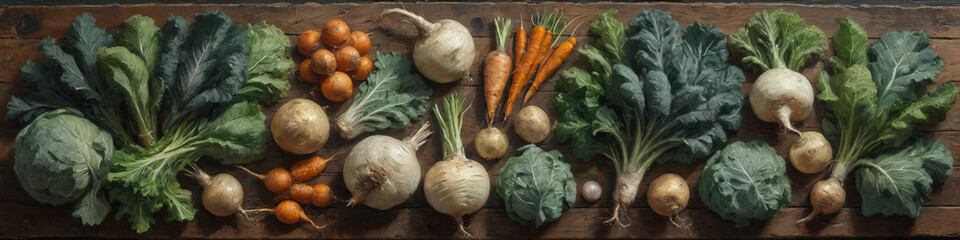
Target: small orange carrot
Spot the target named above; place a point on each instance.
(497, 66)
(553, 63)
(541, 54)
(519, 44)
(537, 36)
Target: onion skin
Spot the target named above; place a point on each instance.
(300, 126)
(783, 96)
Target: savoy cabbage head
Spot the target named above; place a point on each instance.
(63, 157)
(536, 186)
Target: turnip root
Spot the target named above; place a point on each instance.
(827, 197)
(668, 196)
(300, 126)
(222, 194)
(491, 143)
(782, 95)
(382, 172)
(444, 51)
(811, 153)
(532, 124)
(455, 186)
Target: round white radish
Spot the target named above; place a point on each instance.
(456, 186)
(782, 95)
(491, 143)
(811, 153)
(300, 126)
(591, 191)
(532, 124)
(382, 172)
(668, 194)
(444, 51)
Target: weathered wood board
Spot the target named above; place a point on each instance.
(22, 28)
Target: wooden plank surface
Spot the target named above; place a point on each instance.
(22, 27)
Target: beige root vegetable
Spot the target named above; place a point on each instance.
(827, 197)
(668, 196)
(532, 124)
(222, 194)
(811, 153)
(300, 126)
(382, 171)
(491, 143)
(456, 186)
(591, 191)
(444, 51)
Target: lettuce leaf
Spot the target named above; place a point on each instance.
(745, 182)
(268, 64)
(392, 97)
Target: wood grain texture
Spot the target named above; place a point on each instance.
(22, 28)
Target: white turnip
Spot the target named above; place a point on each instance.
(826, 197)
(811, 153)
(382, 171)
(782, 95)
(444, 51)
(455, 186)
(591, 191)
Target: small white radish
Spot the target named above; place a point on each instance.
(811, 153)
(591, 191)
(455, 186)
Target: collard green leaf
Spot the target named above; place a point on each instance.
(901, 63)
(896, 183)
(745, 182)
(777, 39)
(268, 64)
(392, 97)
(62, 158)
(206, 69)
(83, 39)
(536, 186)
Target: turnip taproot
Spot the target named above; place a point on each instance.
(668, 195)
(300, 126)
(382, 171)
(491, 143)
(222, 194)
(455, 186)
(532, 124)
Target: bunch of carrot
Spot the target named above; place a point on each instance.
(289, 185)
(534, 55)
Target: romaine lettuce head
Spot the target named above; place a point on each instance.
(62, 157)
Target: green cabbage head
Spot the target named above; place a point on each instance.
(62, 157)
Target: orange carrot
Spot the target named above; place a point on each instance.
(497, 68)
(553, 63)
(537, 36)
(519, 44)
(541, 54)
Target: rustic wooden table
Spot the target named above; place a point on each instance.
(22, 28)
